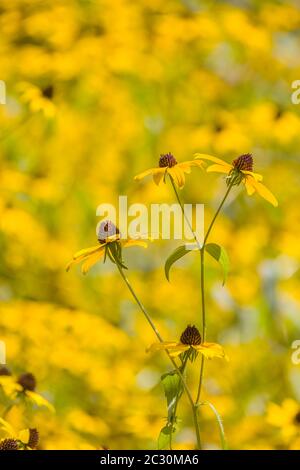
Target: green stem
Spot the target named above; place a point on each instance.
(219, 421)
(177, 399)
(203, 287)
(159, 337)
(217, 213)
(184, 214)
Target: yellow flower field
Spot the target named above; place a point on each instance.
(97, 93)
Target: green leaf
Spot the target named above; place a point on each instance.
(176, 255)
(219, 254)
(173, 390)
(165, 437)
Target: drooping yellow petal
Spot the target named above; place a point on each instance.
(158, 175)
(39, 400)
(218, 168)
(178, 175)
(86, 251)
(9, 386)
(249, 187)
(198, 163)
(180, 348)
(128, 243)
(211, 350)
(185, 167)
(91, 260)
(219, 161)
(142, 175)
(174, 348)
(6, 427)
(24, 436)
(256, 176)
(264, 192)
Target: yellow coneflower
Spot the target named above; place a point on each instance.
(190, 340)
(26, 439)
(23, 387)
(168, 165)
(37, 99)
(286, 417)
(110, 244)
(240, 170)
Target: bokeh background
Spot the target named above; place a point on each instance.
(96, 90)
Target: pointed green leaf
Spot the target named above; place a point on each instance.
(219, 254)
(165, 437)
(176, 255)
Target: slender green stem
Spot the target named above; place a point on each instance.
(219, 421)
(184, 214)
(177, 399)
(217, 213)
(159, 337)
(203, 287)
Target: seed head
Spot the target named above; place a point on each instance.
(167, 160)
(9, 444)
(244, 162)
(27, 381)
(107, 229)
(4, 371)
(191, 336)
(33, 438)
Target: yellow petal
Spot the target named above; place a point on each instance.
(174, 349)
(74, 261)
(91, 260)
(249, 187)
(24, 436)
(140, 176)
(7, 427)
(128, 243)
(210, 350)
(218, 168)
(178, 175)
(80, 258)
(180, 348)
(159, 175)
(264, 192)
(185, 167)
(219, 161)
(256, 176)
(198, 163)
(86, 251)
(39, 400)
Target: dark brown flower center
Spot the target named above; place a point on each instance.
(167, 160)
(107, 229)
(244, 162)
(9, 444)
(27, 381)
(297, 418)
(33, 438)
(4, 371)
(191, 336)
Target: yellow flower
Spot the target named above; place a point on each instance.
(110, 244)
(168, 166)
(23, 387)
(286, 417)
(26, 439)
(38, 99)
(190, 340)
(241, 170)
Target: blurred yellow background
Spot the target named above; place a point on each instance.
(96, 90)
